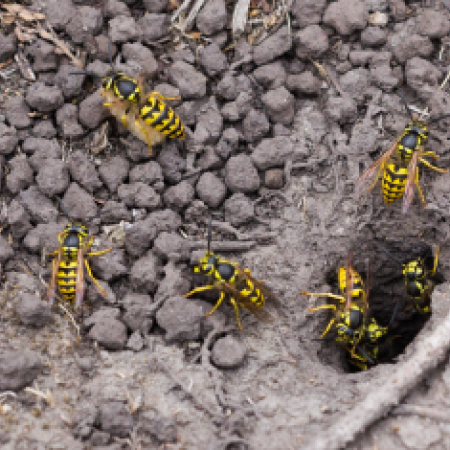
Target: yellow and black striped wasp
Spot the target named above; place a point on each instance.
(419, 279)
(233, 283)
(399, 165)
(146, 116)
(70, 260)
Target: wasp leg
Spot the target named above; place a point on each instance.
(333, 307)
(428, 164)
(430, 153)
(327, 329)
(161, 97)
(420, 189)
(88, 269)
(147, 137)
(199, 289)
(436, 260)
(101, 252)
(124, 119)
(236, 308)
(323, 294)
(52, 286)
(222, 296)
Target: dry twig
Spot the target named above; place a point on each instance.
(240, 17)
(439, 414)
(429, 352)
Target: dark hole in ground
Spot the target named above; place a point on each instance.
(387, 288)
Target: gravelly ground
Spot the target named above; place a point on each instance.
(272, 153)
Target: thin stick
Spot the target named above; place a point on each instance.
(429, 352)
(445, 79)
(439, 414)
(192, 15)
(183, 7)
(240, 17)
(224, 246)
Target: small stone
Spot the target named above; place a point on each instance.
(8, 139)
(341, 109)
(18, 220)
(100, 439)
(20, 174)
(279, 105)
(272, 152)
(304, 84)
(111, 265)
(83, 171)
(433, 24)
(44, 56)
(271, 76)
(135, 342)
(110, 333)
(149, 173)
(86, 23)
(67, 121)
(181, 319)
(209, 160)
(168, 243)
(239, 209)
(274, 178)
(227, 87)
(71, 84)
(116, 419)
(44, 235)
(213, 60)
(190, 82)
(356, 83)
(155, 6)
(179, 196)
(346, 16)
(309, 12)
(228, 353)
(114, 171)
(241, 175)
(6, 251)
(17, 111)
(211, 189)
(212, 18)
(44, 129)
(44, 98)
(18, 369)
(153, 27)
(85, 417)
(33, 311)
(273, 47)
(139, 195)
(143, 274)
(42, 150)
(58, 12)
(256, 125)
(311, 42)
(416, 434)
(142, 55)
(421, 74)
(100, 316)
(113, 8)
(373, 37)
(39, 207)
(80, 204)
(92, 112)
(228, 143)
(405, 45)
(8, 46)
(53, 177)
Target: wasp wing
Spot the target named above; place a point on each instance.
(52, 286)
(408, 195)
(349, 280)
(265, 290)
(243, 301)
(80, 285)
(366, 179)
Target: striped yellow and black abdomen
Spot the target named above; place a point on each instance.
(394, 181)
(162, 118)
(66, 279)
(358, 285)
(248, 290)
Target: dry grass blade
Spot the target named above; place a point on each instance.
(100, 139)
(51, 36)
(6, 63)
(46, 396)
(240, 17)
(24, 66)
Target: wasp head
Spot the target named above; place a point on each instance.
(207, 265)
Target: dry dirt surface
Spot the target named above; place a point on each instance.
(280, 123)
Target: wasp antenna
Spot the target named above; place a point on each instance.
(397, 304)
(209, 234)
(363, 353)
(83, 72)
(63, 207)
(104, 211)
(390, 255)
(437, 119)
(403, 99)
(327, 338)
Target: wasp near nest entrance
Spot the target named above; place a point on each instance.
(399, 165)
(70, 257)
(145, 115)
(363, 339)
(420, 279)
(233, 283)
